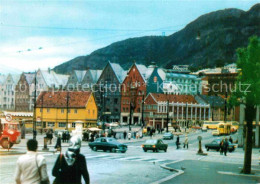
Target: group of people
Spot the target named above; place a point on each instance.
(65, 136)
(224, 143)
(68, 169)
(185, 144)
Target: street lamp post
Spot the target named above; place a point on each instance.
(167, 116)
(67, 115)
(34, 108)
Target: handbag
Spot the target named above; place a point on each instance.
(41, 181)
(57, 179)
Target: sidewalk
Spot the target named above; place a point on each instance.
(194, 171)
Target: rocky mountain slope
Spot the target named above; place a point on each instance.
(221, 33)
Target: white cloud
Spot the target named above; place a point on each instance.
(55, 50)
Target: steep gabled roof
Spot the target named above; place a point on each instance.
(80, 75)
(53, 79)
(29, 77)
(2, 79)
(144, 71)
(77, 99)
(95, 74)
(119, 71)
(214, 101)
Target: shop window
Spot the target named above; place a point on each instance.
(62, 125)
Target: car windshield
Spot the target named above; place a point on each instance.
(167, 134)
(151, 141)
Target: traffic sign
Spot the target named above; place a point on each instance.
(8, 117)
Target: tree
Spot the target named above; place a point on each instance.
(247, 88)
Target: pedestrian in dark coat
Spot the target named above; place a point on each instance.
(230, 140)
(69, 168)
(124, 134)
(58, 143)
(221, 146)
(67, 136)
(225, 146)
(63, 137)
(177, 142)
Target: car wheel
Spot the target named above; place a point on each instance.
(113, 150)
(5, 144)
(157, 150)
(94, 148)
(207, 148)
(153, 150)
(123, 151)
(217, 150)
(165, 150)
(145, 150)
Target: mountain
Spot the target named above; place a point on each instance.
(221, 33)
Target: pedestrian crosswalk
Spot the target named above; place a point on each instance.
(126, 158)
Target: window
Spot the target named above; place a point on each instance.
(62, 111)
(51, 124)
(68, 110)
(48, 110)
(93, 112)
(62, 124)
(115, 101)
(88, 111)
(40, 110)
(73, 125)
(38, 124)
(75, 111)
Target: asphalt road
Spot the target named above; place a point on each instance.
(134, 166)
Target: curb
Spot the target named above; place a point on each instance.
(177, 172)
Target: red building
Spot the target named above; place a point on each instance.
(133, 90)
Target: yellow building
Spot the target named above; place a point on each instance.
(61, 110)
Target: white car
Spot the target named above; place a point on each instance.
(215, 133)
(204, 129)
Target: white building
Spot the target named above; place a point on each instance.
(7, 91)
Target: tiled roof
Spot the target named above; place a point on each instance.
(29, 77)
(77, 99)
(174, 98)
(95, 74)
(120, 73)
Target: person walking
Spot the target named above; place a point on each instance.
(151, 133)
(63, 137)
(124, 134)
(221, 146)
(31, 167)
(177, 142)
(230, 140)
(50, 136)
(225, 147)
(58, 143)
(67, 136)
(129, 135)
(186, 142)
(70, 167)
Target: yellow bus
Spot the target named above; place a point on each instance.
(211, 124)
(224, 128)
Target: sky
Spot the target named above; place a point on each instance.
(45, 33)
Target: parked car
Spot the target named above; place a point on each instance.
(204, 129)
(107, 144)
(168, 135)
(155, 145)
(215, 133)
(215, 145)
